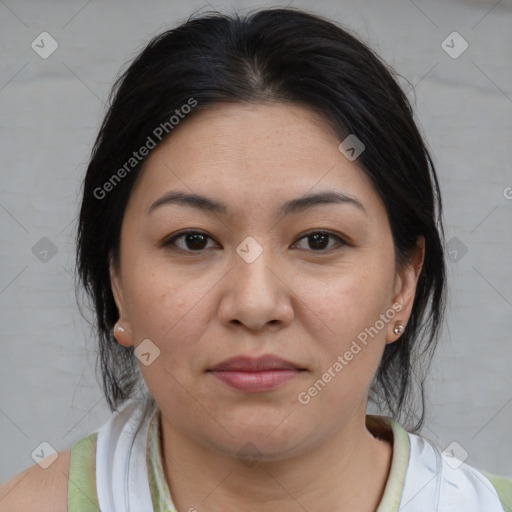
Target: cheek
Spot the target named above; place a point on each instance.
(349, 351)
(170, 309)
(170, 314)
(350, 301)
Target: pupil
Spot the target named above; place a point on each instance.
(195, 237)
(317, 238)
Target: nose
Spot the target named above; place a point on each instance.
(257, 294)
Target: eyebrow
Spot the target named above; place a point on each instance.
(297, 205)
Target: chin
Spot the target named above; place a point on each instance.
(264, 437)
(252, 449)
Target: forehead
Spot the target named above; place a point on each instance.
(251, 154)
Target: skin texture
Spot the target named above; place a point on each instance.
(203, 303)
(45, 490)
(302, 304)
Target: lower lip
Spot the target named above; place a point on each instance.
(255, 381)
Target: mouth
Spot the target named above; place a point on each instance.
(255, 375)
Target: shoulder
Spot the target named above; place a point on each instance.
(503, 486)
(481, 489)
(44, 490)
(441, 475)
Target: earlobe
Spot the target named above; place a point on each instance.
(122, 330)
(122, 336)
(405, 290)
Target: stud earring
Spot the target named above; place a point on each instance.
(398, 329)
(119, 328)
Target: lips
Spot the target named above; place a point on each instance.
(249, 374)
(251, 364)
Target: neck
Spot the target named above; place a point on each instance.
(348, 471)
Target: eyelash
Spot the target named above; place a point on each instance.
(171, 241)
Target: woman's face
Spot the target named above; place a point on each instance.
(267, 273)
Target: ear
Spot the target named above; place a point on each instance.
(406, 281)
(123, 337)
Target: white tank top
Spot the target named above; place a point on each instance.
(432, 483)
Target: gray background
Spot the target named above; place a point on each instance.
(50, 111)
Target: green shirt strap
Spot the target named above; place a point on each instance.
(82, 495)
(503, 486)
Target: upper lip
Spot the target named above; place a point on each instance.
(255, 364)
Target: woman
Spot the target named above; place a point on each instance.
(261, 236)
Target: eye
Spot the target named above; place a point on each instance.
(319, 239)
(193, 241)
(196, 241)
